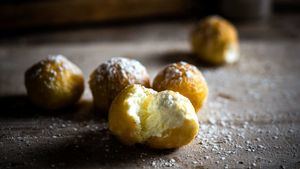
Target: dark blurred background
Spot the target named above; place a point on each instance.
(24, 15)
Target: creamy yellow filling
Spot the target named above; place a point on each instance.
(155, 112)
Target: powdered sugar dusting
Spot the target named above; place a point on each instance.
(54, 65)
(56, 58)
(176, 72)
(49, 69)
(123, 67)
(63, 63)
(167, 100)
(112, 76)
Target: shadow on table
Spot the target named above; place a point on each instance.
(77, 149)
(91, 149)
(173, 56)
(19, 106)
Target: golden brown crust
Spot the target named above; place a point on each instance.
(215, 40)
(185, 79)
(54, 83)
(112, 76)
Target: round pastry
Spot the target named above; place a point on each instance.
(183, 78)
(161, 120)
(215, 41)
(114, 75)
(54, 82)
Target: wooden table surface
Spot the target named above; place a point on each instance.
(251, 119)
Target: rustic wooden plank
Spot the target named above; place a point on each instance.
(251, 118)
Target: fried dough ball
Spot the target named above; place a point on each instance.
(54, 82)
(215, 41)
(161, 120)
(183, 78)
(114, 75)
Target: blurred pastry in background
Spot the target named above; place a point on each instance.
(183, 78)
(54, 82)
(112, 76)
(215, 41)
